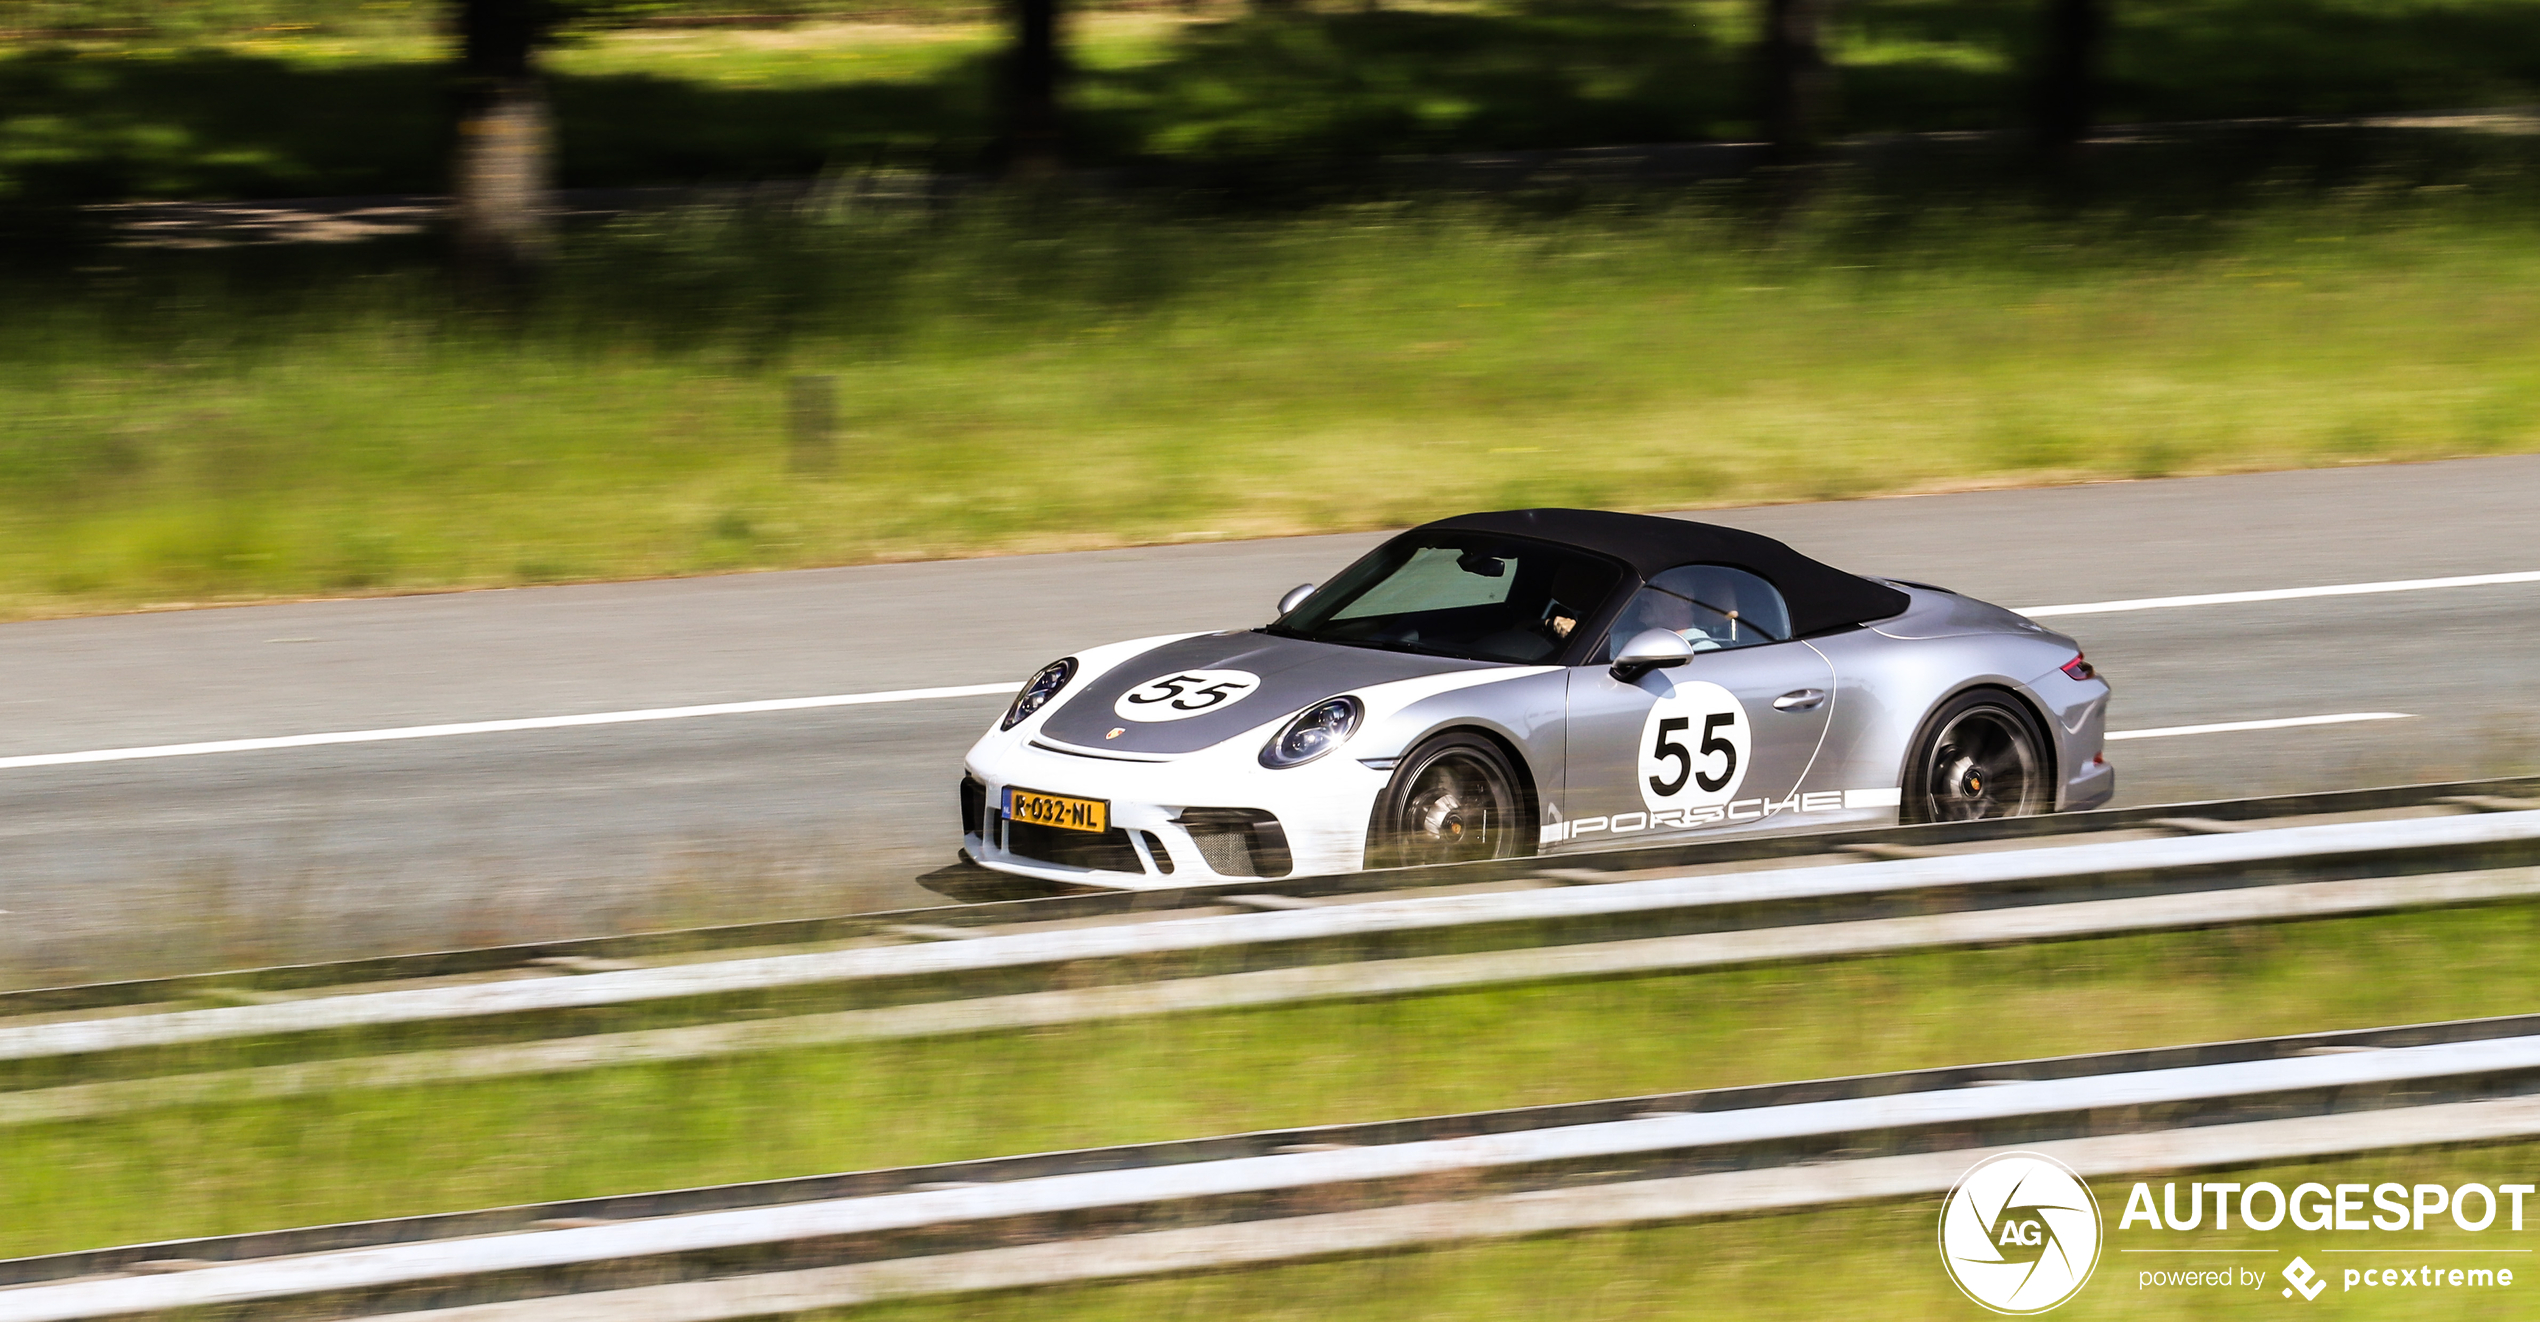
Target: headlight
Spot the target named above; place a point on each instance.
(1317, 730)
(1038, 690)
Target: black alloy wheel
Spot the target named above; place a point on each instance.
(1981, 756)
(1453, 799)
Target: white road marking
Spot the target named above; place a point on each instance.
(982, 690)
(2285, 723)
(2280, 594)
(501, 727)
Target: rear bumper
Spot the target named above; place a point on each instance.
(2092, 787)
(2078, 710)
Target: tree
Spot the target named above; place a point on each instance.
(1799, 86)
(2068, 74)
(1033, 144)
(502, 167)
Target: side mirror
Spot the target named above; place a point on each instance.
(1650, 649)
(1296, 597)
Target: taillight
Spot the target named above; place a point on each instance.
(2080, 668)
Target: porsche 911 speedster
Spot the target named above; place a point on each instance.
(1534, 681)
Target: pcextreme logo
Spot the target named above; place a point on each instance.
(2302, 1277)
(2020, 1233)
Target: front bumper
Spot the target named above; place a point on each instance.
(1212, 816)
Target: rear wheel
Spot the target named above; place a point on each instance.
(1453, 799)
(1981, 755)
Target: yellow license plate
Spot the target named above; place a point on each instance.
(1059, 810)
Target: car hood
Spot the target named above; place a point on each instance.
(1293, 674)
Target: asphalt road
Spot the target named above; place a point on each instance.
(186, 862)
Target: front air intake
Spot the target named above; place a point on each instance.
(974, 806)
(1239, 842)
(1108, 851)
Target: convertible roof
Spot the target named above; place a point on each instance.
(1820, 596)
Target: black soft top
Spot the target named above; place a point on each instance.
(1820, 596)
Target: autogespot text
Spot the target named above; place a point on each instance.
(2440, 1221)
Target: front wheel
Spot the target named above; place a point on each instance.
(1453, 799)
(1981, 756)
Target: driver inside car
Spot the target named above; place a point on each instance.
(1652, 608)
(1705, 625)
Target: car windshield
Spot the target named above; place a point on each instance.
(1457, 594)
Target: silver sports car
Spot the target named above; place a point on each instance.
(1534, 681)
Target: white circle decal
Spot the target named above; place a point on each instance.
(2020, 1233)
(1185, 694)
(1693, 748)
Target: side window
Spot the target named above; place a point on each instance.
(1712, 607)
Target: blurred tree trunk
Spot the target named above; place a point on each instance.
(1799, 86)
(2068, 74)
(1033, 145)
(502, 168)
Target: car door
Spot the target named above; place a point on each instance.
(1722, 742)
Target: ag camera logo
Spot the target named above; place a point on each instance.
(2020, 1233)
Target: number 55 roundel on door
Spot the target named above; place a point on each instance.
(1694, 748)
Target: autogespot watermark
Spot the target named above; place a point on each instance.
(2022, 1233)
(2428, 1260)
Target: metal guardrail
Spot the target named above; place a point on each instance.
(991, 911)
(1291, 1193)
(1279, 986)
(1356, 931)
(835, 1240)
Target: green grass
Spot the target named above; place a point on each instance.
(1844, 1262)
(249, 426)
(223, 1169)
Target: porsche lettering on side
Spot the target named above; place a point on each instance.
(1534, 681)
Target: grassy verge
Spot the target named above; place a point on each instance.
(223, 1169)
(1838, 1263)
(262, 425)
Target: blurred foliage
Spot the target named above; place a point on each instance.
(194, 19)
(297, 115)
(1545, 73)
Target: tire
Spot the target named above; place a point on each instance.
(1980, 755)
(1454, 799)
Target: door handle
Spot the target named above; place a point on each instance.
(1799, 700)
